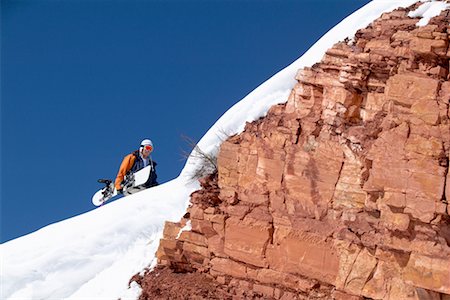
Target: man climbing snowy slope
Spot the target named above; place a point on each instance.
(136, 161)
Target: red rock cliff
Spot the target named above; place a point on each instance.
(343, 190)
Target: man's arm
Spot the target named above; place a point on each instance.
(125, 166)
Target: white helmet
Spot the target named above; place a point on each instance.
(146, 142)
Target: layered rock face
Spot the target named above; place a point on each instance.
(342, 191)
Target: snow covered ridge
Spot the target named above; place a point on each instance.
(93, 256)
(276, 90)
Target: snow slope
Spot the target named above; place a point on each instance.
(95, 253)
(93, 256)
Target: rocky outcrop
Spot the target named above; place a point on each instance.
(343, 191)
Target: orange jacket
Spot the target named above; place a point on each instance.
(126, 166)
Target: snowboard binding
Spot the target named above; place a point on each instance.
(105, 181)
(128, 182)
(108, 189)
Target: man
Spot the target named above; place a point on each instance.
(136, 161)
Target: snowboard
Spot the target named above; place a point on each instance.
(133, 183)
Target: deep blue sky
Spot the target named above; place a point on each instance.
(83, 82)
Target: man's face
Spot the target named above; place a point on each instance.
(146, 150)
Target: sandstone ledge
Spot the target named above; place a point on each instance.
(343, 191)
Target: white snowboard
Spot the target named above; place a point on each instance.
(134, 183)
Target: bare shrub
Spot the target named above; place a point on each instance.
(207, 162)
